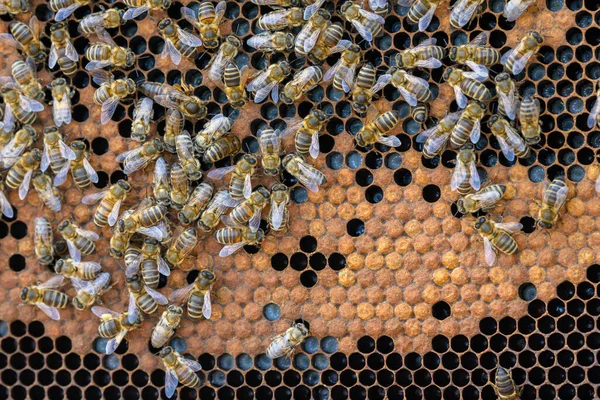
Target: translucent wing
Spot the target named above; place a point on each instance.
(9, 119)
(90, 171)
(264, 91)
(133, 265)
(429, 63)
(64, 13)
(51, 312)
(9, 40)
(219, 173)
(480, 40)
(101, 77)
(61, 176)
(371, 16)
(190, 16)
(52, 283)
(390, 141)
(217, 66)
(52, 56)
(207, 306)
(506, 149)
(157, 232)
(95, 20)
(5, 206)
(480, 72)
(192, 364)
(514, 9)
(490, 254)
(309, 177)
(66, 151)
(437, 142)
(166, 101)
(377, 4)
(114, 214)
(487, 199)
(314, 145)
(474, 179)
(129, 153)
(363, 30)
(80, 284)
(180, 295)
(247, 191)
(101, 281)
(135, 12)
(476, 131)
(310, 42)
(277, 213)
(561, 197)
(24, 186)
(509, 102)
(132, 309)
(100, 311)
(88, 234)
(254, 222)
(510, 227)
(161, 171)
(171, 51)
(73, 251)
(425, 20)
(259, 41)
(188, 38)
(410, 98)
(520, 64)
(292, 127)
(341, 46)
(458, 176)
(220, 11)
(30, 105)
(158, 297)
(461, 99)
(229, 250)
(163, 267)
(311, 9)
(257, 82)
(274, 93)
(94, 197)
(171, 382)
(94, 65)
(331, 71)
(70, 51)
(463, 10)
(105, 37)
(113, 343)
(108, 109)
(422, 137)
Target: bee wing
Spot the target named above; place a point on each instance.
(94, 197)
(274, 93)
(9, 119)
(591, 121)
(5, 207)
(132, 309)
(61, 111)
(9, 40)
(230, 249)
(100, 311)
(463, 10)
(509, 101)
(131, 268)
(264, 91)
(257, 82)
(487, 199)
(390, 141)
(135, 12)
(514, 9)
(309, 177)
(158, 297)
(73, 251)
(51, 312)
(332, 71)
(254, 222)
(88, 234)
(219, 173)
(190, 16)
(163, 267)
(158, 232)
(180, 295)
(311, 9)
(520, 64)
(108, 109)
(437, 142)
(61, 176)
(113, 343)
(461, 99)
(458, 176)
(105, 37)
(507, 150)
(207, 306)
(86, 286)
(188, 38)
(95, 20)
(423, 136)
(247, 186)
(70, 51)
(192, 364)
(126, 154)
(171, 382)
(340, 46)
(310, 41)
(480, 72)
(220, 11)
(597, 185)
(510, 227)
(474, 180)
(259, 41)
(114, 214)
(166, 101)
(362, 30)
(561, 197)
(90, 171)
(24, 186)
(101, 77)
(425, 20)
(52, 56)
(490, 254)
(410, 98)
(64, 13)
(170, 50)
(476, 131)
(52, 283)
(94, 65)
(347, 77)
(30, 105)
(216, 68)
(377, 4)
(314, 145)
(277, 213)
(293, 124)
(372, 16)
(480, 40)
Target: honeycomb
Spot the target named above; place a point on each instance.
(388, 274)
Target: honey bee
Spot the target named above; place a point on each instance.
(110, 92)
(477, 55)
(47, 192)
(143, 296)
(234, 82)
(307, 37)
(420, 113)
(81, 170)
(138, 7)
(147, 220)
(240, 185)
(104, 19)
(161, 185)
(62, 94)
(62, 50)
(165, 328)
(468, 125)
(218, 126)
(269, 141)
(484, 200)
(466, 84)
(141, 156)
(182, 246)
(88, 293)
(86, 271)
(5, 207)
(222, 147)
(64, 8)
(19, 175)
(211, 216)
(281, 19)
(56, 152)
(177, 41)
(185, 152)
(367, 24)
(43, 240)
(173, 126)
(515, 8)
(197, 203)
(24, 73)
(270, 42)
(508, 101)
(464, 11)
(421, 12)
(412, 88)
(303, 81)
(151, 262)
(511, 143)
(529, 118)
(197, 295)
(208, 21)
(285, 343)
(14, 7)
(18, 107)
(23, 139)
(505, 387)
(279, 215)
(178, 369)
(305, 173)
(555, 196)
(119, 241)
(375, 128)
(180, 187)
(46, 296)
(306, 132)
(268, 82)
(175, 98)
(435, 139)
(516, 59)
(497, 236)
(343, 70)
(425, 55)
(465, 175)
(365, 88)
(110, 203)
(79, 241)
(142, 115)
(226, 55)
(115, 326)
(108, 54)
(329, 42)
(248, 211)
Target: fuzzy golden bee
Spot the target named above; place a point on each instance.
(376, 128)
(196, 204)
(240, 184)
(413, 89)
(464, 11)
(62, 93)
(508, 98)
(5, 206)
(468, 125)
(302, 82)
(234, 82)
(465, 175)
(19, 175)
(108, 54)
(329, 42)
(425, 55)
(64, 8)
(226, 55)
(111, 92)
(180, 187)
(234, 238)
(207, 22)
(138, 7)
(88, 293)
(285, 343)
(466, 84)
(104, 19)
(181, 247)
(166, 326)
(46, 296)
(144, 297)
(268, 82)
(225, 146)
(218, 126)
(281, 19)
(497, 236)
(476, 54)
(555, 197)
(342, 72)
(178, 98)
(14, 7)
(269, 141)
(505, 387)
(516, 59)
(147, 220)
(312, 29)
(62, 51)
(185, 152)
(18, 107)
(84, 270)
(161, 184)
(368, 25)
(178, 42)
(24, 74)
(178, 370)
(515, 8)
(511, 143)
(174, 125)
(79, 241)
(306, 174)
(115, 326)
(142, 116)
(149, 263)
(196, 295)
(22, 140)
(529, 118)
(43, 240)
(141, 156)
(484, 200)
(248, 211)
(82, 172)
(306, 134)
(110, 200)
(270, 42)
(279, 215)
(211, 216)
(56, 152)
(421, 12)
(47, 192)
(365, 88)
(435, 139)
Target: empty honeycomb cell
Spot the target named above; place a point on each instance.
(364, 177)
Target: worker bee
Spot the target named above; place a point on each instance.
(222, 147)
(173, 126)
(88, 293)
(465, 175)
(47, 192)
(18, 107)
(79, 241)
(365, 88)
(119, 241)
(305, 173)
(477, 55)
(375, 128)
(175, 98)
(147, 220)
(149, 261)
(181, 247)
(197, 295)
(115, 326)
(185, 152)
(529, 118)
(141, 156)
(197, 203)
(42, 240)
(177, 41)
(208, 21)
(180, 187)
(240, 185)
(279, 215)
(269, 141)
(178, 369)
(110, 92)
(218, 126)
(343, 70)
(306, 132)
(217, 206)
(46, 296)
(303, 81)
(165, 328)
(484, 200)
(464, 11)
(281, 19)
(412, 88)
(367, 24)
(143, 296)
(81, 170)
(466, 84)
(268, 81)
(508, 101)
(511, 143)
(234, 81)
(104, 19)
(64, 8)
(62, 94)
(425, 55)
(515, 8)
(516, 59)
(421, 12)
(248, 211)
(468, 125)
(497, 236)
(420, 113)
(56, 152)
(62, 50)
(5, 207)
(269, 42)
(19, 175)
(14, 7)
(23, 139)
(24, 74)
(161, 185)
(307, 37)
(226, 55)
(84, 270)
(435, 139)
(505, 387)
(555, 196)
(138, 7)
(285, 343)
(142, 115)
(110, 203)
(108, 54)
(329, 42)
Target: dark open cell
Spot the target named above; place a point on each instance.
(536, 174)
(308, 278)
(16, 262)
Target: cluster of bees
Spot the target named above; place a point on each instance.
(138, 234)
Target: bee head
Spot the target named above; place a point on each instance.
(277, 186)
(503, 76)
(24, 293)
(78, 145)
(250, 159)
(166, 4)
(545, 225)
(460, 205)
(124, 185)
(493, 120)
(175, 309)
(285, 67)
(537, 37)
(264, 192)
(165, 352)
(158, 145)
(183, 218)
(480, 222)
(447, 73)
(36, 154)
(164, 23)
(345, 6)
(209, 275)
(58, 267)
(63, 225)
(302, 328)
(232, 40)
(77, 304)
(452, 54)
